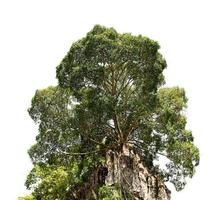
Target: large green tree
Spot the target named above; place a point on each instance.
(110, 96)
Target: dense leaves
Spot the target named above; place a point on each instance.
(49, 182)
(109, 193)
(109, 95)
(52, 109)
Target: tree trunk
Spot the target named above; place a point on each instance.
(127, 170)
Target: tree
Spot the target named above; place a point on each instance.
(110, 98)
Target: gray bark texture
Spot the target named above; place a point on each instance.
(127, 170)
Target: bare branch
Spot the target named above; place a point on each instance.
(80, 153)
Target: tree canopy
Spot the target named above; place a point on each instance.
(110, 94)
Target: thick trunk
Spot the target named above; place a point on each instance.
(127, 170)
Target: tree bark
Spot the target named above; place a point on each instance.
(127, 170)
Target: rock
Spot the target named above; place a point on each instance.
(127, 170)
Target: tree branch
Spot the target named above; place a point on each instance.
(80, 153)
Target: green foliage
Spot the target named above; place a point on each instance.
(109, 94)
(28, 197)
(50, 182)
(109, 193)
(177, 142)
(52, 109)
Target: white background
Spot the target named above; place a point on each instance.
(35, 36)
